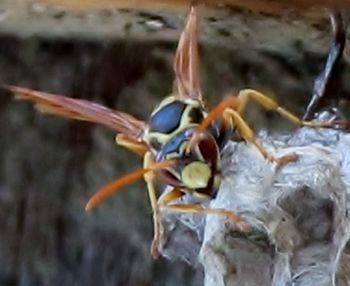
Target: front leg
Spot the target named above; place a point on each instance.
(157, 225)
(140, 148)
(248, 135)
(238, 104)
(176, 193)
(267, 103)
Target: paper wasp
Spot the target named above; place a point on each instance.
(181, 142)
(326, 86)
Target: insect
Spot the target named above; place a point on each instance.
(181, 142)
(328, 82)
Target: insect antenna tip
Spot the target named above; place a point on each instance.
(90, 205)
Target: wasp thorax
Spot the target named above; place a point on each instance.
(171, 117)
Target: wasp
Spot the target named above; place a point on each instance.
(326, 84)
(181, 143)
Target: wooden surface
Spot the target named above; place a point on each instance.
(229, 28)
(269, 6)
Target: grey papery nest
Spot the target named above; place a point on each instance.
(298, 214)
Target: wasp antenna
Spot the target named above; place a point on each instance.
(116, 185)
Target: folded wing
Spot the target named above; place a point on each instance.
(81, 109)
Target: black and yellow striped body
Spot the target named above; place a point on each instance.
(171, 117)
(170, 128)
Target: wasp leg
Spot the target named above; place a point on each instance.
(133, 145)
(197, 209)
(248, 135)
(245, 95)
(148, 174)
(173, 195)
(116, 185)
(158, 228)
(227, 102)
(176, 193)
(240, 102)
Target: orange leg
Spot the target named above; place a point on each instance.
(218, 111)
(248, 135)
(148, 173)
(240, 102)
(173, 195)
(233, 107)
(165, 202)
(249, 94)
(133, 145)
(149, 179)
(132, 177)
(157, 224)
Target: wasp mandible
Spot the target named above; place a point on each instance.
(181, 142)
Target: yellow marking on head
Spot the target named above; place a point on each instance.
(196, 175)
(167, 100)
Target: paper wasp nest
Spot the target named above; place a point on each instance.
(298, 213)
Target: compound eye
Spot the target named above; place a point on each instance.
(168, 118)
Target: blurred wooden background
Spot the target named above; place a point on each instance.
(123, 59)
(272, 6)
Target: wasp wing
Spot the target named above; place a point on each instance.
(81, 109)
(186, 63)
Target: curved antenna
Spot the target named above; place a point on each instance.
(119, 183)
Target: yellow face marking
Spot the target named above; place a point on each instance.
(172, 98)
(196, 175)
(164, 102)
